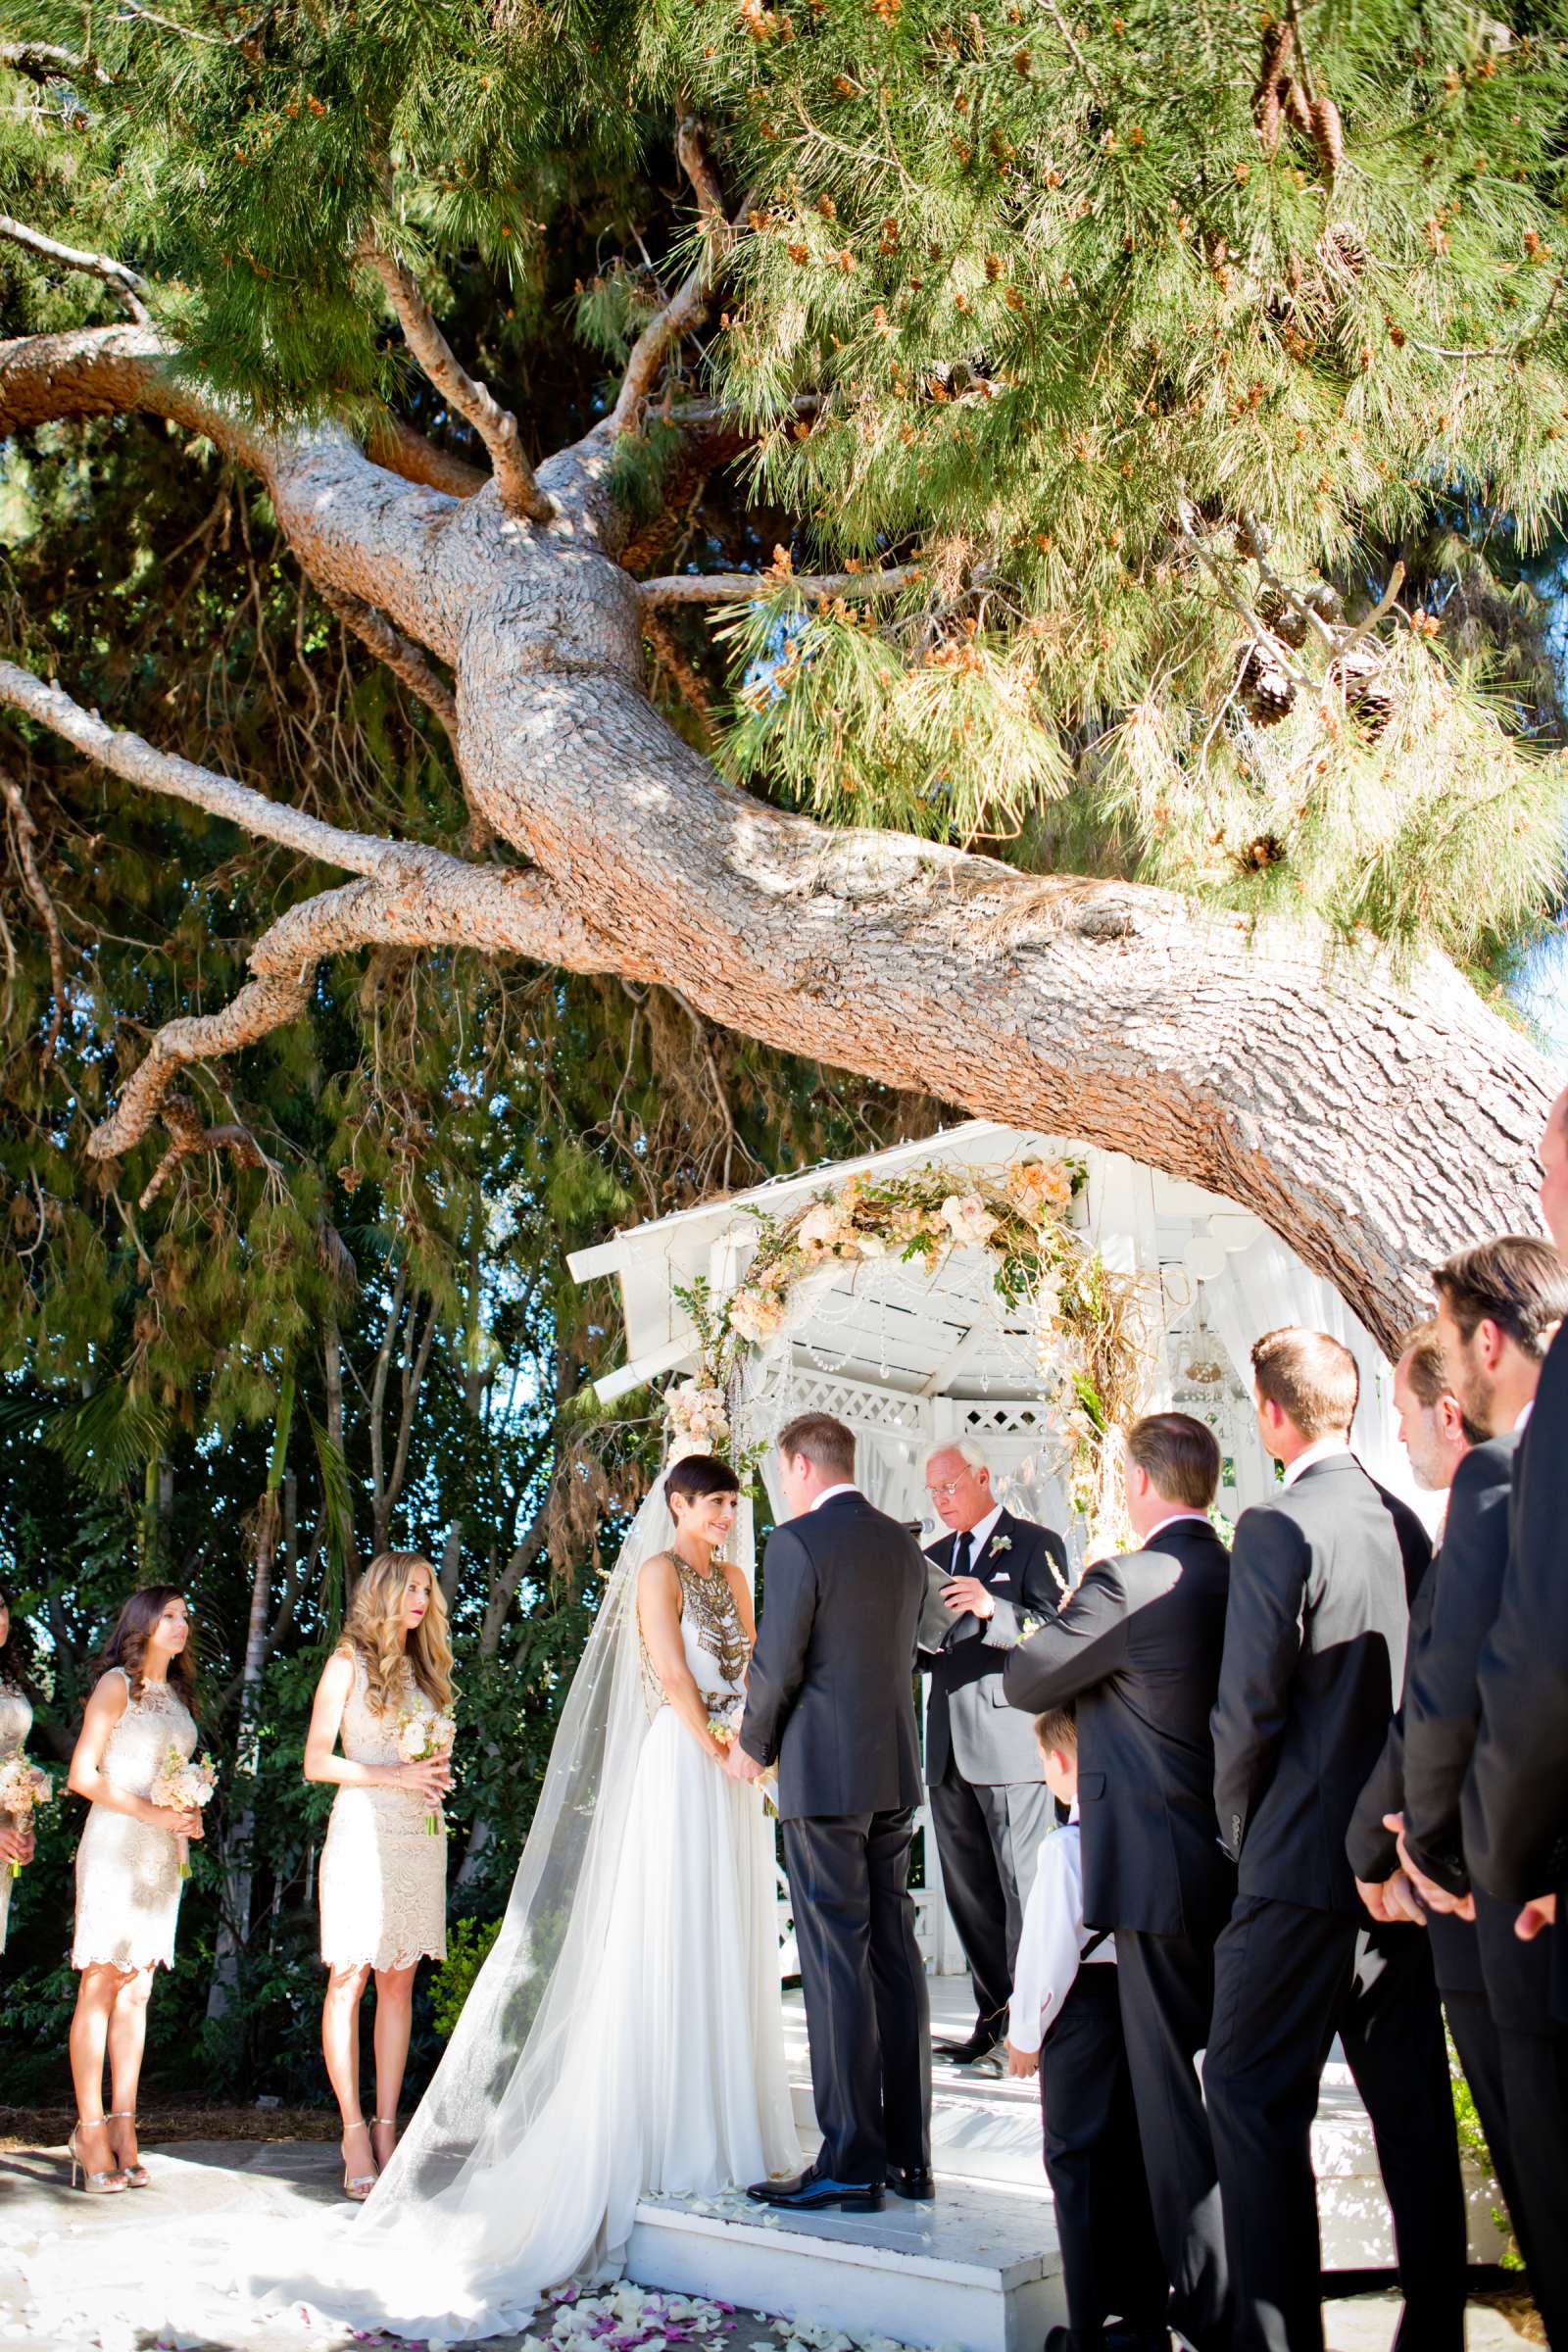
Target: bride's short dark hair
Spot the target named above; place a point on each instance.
(698, 1474)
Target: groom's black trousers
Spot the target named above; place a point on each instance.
(866, 2007)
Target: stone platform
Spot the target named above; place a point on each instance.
(979, 2269)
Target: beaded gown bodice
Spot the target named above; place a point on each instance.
(717, 1651)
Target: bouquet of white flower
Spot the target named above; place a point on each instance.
(22, 1787)
(423, 1736)
(184, 1784)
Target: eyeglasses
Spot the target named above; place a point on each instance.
(947, 1489)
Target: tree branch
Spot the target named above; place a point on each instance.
(26, 835)
(125, 281)
(190, 1134)
(688, 305)
(402, 655)
(408, 896)
(393, 443)
(743, 587)
(496, 426)
(46, 60)
(141, 762)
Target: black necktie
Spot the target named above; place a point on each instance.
(960, 1554)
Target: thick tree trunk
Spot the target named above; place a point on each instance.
(1373, 1118)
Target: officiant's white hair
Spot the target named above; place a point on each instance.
(966, 1451)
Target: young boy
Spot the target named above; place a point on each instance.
(1065, 2020)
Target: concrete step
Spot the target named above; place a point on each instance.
(978, 2269)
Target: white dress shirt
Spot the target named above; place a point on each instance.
(1052, 1939)
(846, 1485)
(1322, 1449)
(1525, 1411)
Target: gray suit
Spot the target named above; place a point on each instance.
(989, 1803)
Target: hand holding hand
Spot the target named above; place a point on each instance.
(1435, 1897)
(1022, 2063)
(1535, 1915)
(740, 1766)
(966, 1594)
(430, 1777)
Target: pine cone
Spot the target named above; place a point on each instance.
(1328, 135)
(1267, 694)
(1281, 615)
(1323, 598)
(1368, 696)
(1266, 851)
(1253, 536)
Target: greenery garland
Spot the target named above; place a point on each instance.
(1091, 1338)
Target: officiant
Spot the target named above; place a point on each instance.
(988, 1577)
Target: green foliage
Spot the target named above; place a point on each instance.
(1472, 2144)
(469, 1945)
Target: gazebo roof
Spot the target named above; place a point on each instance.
(906, 1331)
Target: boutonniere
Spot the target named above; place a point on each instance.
(1000, 1544)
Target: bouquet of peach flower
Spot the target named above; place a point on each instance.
(184, 1784)
(725, 1722)
(22, 1787)
(423, 1735)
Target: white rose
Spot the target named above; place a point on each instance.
(968, 1217)
(820, 1229)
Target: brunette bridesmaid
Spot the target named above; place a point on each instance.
(143, 1705)
(383, 1881)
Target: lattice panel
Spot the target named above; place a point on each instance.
(863, 1407)
(1007, 1418)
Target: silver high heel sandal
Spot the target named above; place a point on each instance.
(137, 2175)
(357, 2185)
(92, 2184)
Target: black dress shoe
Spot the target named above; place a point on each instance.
(814, 2191)
(981, 2043)
(914, 2182)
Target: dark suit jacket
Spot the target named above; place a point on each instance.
(1442, 1708)
(1321, 1582)
(831, 1695)
(1515, 1811)
(968, 1716)
(1138, 1647)
(1371, 1850)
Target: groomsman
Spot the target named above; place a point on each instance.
(1497, 1308)
(1314, 1654)
(1433, 1429)
(989, 1803)
(1137, 1650)
(1516, 1802)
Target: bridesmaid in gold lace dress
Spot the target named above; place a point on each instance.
(384, 1881)
(15, 1722)
(127, 1869)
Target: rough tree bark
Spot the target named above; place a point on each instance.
(1372, 1118)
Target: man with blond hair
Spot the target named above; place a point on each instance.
(1316, 1633)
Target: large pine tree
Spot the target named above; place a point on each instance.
(976, 544)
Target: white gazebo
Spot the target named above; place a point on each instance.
(910, 1357)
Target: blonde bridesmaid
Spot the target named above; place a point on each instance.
(143, 1705)
(383, 1880)
(15, 1722)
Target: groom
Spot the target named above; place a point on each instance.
(831, 1700)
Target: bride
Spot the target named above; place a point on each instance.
(624, 2034)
